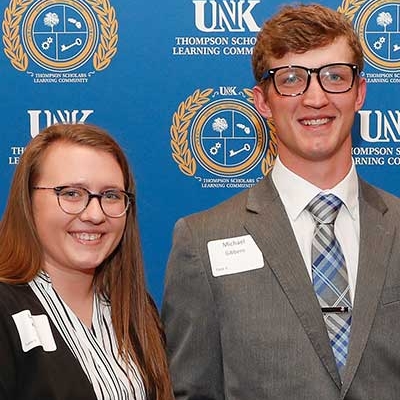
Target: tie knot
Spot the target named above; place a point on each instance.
(324, 208)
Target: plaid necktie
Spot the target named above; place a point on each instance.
(330, 275)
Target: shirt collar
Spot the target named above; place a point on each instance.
(296, 192)
(43, 278)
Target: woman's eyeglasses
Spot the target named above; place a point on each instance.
(73, 200)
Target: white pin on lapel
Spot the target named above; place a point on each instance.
(234, 255)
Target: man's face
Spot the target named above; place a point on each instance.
(315, 126)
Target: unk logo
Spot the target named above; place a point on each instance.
(60, 35)
(377, 126)
(221, 133)
(232, 15)
(377, 23)
(228, 90)
(45, 118)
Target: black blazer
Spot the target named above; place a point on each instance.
(36, 374)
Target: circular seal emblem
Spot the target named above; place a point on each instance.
(228, 137)
(60, 36)
(223, 134)
(378, 26)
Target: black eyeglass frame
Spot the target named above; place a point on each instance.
(58, 189)
(271, 74)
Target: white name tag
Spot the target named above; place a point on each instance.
(234, 255)
(34, 331)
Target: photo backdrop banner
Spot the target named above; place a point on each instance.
(171, 81)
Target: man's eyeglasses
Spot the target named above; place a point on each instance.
(73, 200)
(294, 80)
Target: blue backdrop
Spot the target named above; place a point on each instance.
(171, 81)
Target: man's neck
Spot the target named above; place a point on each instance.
(324, 174)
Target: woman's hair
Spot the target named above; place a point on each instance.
(298, 29)
(120, 278)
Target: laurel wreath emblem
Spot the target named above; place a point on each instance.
(109, 37)
(106, 48)
(179, 130)
(11, 40)
(350, 7)
(180, 126)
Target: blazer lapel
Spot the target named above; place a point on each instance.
(279, 246)
(376, 239)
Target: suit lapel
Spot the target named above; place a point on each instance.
(376, 239)
(276, 240)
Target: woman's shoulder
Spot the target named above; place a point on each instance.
(13, 297)
(8, 289)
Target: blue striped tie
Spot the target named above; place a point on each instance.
(330, 274)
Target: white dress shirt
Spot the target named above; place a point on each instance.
(295, 193)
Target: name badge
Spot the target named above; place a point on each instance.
(234, 255)
(34, 331)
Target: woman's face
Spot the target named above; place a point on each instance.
(76, 244)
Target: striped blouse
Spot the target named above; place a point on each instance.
(96, 348)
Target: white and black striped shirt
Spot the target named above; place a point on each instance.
(96, 348)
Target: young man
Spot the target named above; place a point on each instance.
(291, 290)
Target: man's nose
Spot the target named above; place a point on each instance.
(315, 96)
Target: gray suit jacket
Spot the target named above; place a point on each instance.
(260, 334)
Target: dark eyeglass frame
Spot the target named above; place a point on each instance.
(58, 189)
(271, 74)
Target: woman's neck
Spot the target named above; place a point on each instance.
(76, 290)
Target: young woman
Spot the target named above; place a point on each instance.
(76, 321)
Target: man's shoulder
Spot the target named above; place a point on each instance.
(379, 197)
(237, 204)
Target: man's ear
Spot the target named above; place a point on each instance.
(261, 103)
(361, 93)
